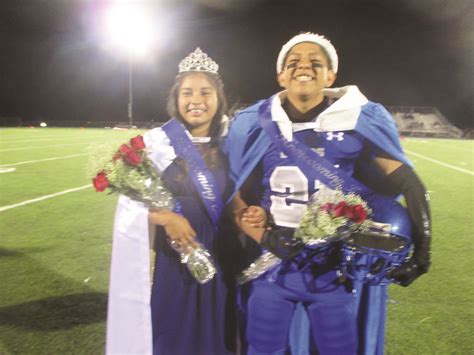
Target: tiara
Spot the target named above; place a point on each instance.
(198, 61)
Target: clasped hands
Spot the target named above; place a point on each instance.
(179, 230)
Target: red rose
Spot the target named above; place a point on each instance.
(349, 212)
(340, 209)
(137, 142)
(360, 214)
(124, 149)
(132, 157)
(100, 182)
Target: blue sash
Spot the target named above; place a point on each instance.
(310, 162)
(202, 178)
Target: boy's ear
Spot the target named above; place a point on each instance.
(281, 79)
(331, 78)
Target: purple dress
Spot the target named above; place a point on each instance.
(187, 317)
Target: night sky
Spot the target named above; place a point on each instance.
(54, 65)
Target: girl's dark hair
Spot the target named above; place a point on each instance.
(212, 154)
(216, 82)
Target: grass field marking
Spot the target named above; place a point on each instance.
(44, 146)
(41, 160)
(27, 202)
(59, 145)
(6, 170)
(48, 139)
(439, 162)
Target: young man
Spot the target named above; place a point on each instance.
(268, 147)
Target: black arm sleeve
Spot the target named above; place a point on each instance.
(405, 181)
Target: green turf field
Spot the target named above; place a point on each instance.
(55, 249)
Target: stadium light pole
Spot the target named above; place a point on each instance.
(130, 91)
(129, 29)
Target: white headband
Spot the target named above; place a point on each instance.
(308, 37)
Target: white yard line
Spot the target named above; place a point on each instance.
(48, 139)
(27, 202)
(440, 162)
(41, 160)
(44, 146)
(63, 145)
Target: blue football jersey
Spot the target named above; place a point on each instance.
(285, 190)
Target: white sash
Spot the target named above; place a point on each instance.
(129, 317)
(129, 329)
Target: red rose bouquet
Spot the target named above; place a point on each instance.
(129, 171)
(331, 211)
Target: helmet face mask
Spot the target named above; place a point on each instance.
(370, 255)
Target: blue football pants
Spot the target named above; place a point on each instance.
(331, 312)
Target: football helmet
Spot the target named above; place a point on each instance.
(369, 255)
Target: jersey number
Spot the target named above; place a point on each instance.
(290, 182)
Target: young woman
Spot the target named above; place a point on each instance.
(189, 317)
(185, 317)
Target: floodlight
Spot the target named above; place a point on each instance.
(129, 28)
(43, 124)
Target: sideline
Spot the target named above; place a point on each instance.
(47, 159)
(439, 162)
(27, 202)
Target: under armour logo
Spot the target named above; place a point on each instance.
(338, 135)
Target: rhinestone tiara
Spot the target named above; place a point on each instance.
(198, 61)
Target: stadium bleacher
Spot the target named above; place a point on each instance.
(425, 121)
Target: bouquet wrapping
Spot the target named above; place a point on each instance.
(262, 264)
(198, 260)
(130, 172)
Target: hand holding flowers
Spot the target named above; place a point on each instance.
(129, 171)
(177, 227)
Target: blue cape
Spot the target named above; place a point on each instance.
(247, 142)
